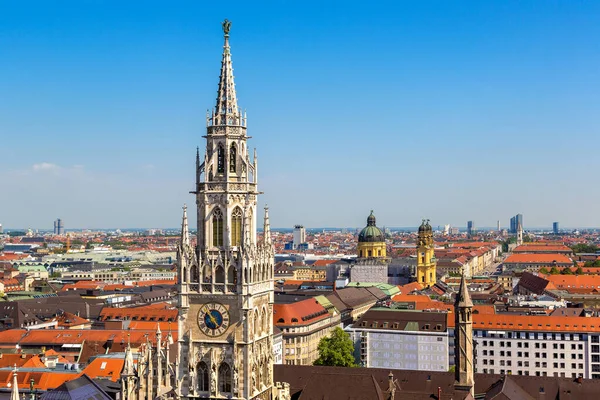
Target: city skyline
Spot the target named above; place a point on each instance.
(113, 107)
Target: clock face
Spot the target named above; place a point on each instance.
(213, 319)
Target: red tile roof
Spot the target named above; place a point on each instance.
(154, 313)
(300, 313)
(538, 259)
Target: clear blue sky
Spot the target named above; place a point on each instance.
(448, 110)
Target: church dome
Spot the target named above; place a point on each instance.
(425, 227)
(371, 233)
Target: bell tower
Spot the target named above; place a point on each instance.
(226, 280)
(426, 262)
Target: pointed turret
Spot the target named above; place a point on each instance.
(185, 232)
(226, 110)
(463, 340)
(14, 395)
(128, 367)
(463, 299)
(519, 234)
(267, 228)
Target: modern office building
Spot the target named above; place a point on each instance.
(555, 228)
(59, 228)
(299, 236)
(470, 227)
(401, 339)
(515, 222)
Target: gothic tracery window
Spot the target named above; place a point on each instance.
(217, 227)
(202, 376)
(219, 275)
(232, 158)
(220, 160)
(236, 227)
(225, 378)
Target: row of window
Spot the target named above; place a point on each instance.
(555, 346)
(528, 335)
(537, 355)
(538, 373)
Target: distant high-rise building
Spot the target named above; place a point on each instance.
(446, 229)
(515, 222)
(470, 227)
(498, 226)
(1, 229)
(299, 236)
(555, 228)
(59, 228)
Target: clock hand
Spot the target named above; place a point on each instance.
(212, 319)
(210, 316)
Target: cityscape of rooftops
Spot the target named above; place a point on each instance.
(302, 201)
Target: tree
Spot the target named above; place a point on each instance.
(336, 350)
(566, 271)
(584, 248)
(579, 271)
(544, 270)
(554, 271)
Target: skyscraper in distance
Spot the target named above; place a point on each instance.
(470, 227)
(555, 228)
(59, 228)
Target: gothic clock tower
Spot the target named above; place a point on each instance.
(226, 280)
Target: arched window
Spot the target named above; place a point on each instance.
(250, 220)
(217, 222)
(220, 159)
(195, 274)
(232, 157)
(232, 275)
(202, 371)
(225, 378)
(264, 321)
(236, 227)
(219, 275)
(256, 324)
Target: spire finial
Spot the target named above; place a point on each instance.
(15, 389)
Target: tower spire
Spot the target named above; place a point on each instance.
(185, 232)
(226, 110)
(267, 228)
(128, 366)
(463, 339)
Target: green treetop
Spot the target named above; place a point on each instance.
(336, 350)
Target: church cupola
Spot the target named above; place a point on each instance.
(371, 240)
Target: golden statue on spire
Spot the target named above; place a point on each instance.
(226, 26)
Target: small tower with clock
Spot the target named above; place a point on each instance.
(226, 281)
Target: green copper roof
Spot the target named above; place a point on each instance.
(371, 233)
(386, 288)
